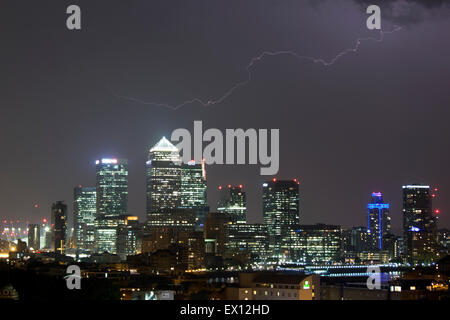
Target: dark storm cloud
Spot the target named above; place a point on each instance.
(410, 12)
(368, 123)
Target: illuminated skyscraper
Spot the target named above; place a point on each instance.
(84, 211)
(319, 243)
(215, 232)
(112, 202)
(129, 237)
(106, 233)
(419, 224)
(282, 216)
(59, 226)
(112, 187)
(193, 190)
(163, 177)
(233, 201)
(246, 242)
(378, 220)
(34, 236)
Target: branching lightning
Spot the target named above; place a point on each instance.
(252, 63)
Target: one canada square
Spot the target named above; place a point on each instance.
(173, 187)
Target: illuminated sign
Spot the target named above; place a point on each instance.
(306, 285)
(109, 161)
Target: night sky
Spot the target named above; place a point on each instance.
(373, 121)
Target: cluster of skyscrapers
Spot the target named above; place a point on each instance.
(181, 229)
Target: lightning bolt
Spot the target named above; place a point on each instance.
(252, 63)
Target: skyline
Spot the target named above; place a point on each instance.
(216, 190)
(373, 121)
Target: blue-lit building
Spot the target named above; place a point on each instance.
(378, 221)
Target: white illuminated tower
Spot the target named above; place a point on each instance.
(163, 177)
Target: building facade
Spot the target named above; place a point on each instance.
(233, 201)
(378, 221)
(282, 216)
(112, 187)
(319, 244)
(84, 212)
(34, 236)
(419, 224)
(59, 226)
(193, 190)
(163, 178)
(247, 242)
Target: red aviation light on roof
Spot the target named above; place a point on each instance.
(220, 187)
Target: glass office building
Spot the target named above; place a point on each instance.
(248, 242)
(84, 211)
(112, 187)
(419, 224)
(112, 202)
(319, 244)
(233, 201)
(163, 177)
(193, 190)
(282, 216)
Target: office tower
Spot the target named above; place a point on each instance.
(391, 246)
(59, 226)
(129, 237)
(443, 236)
(246, 243)
(163, 177)
(378, 220)
(48, 238)
(233, 201)
(360, 239)
(193, 190)
(320, 243)
(112, 187)
(84, 211)
(158, 239)
(419, 224)
(181, 219)
(45, 230)
(281, 214)
(112, 202)
(106, 233)
(192, 246)
(34, 236)
(215, 233)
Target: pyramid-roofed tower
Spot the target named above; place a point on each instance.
(164, 145)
